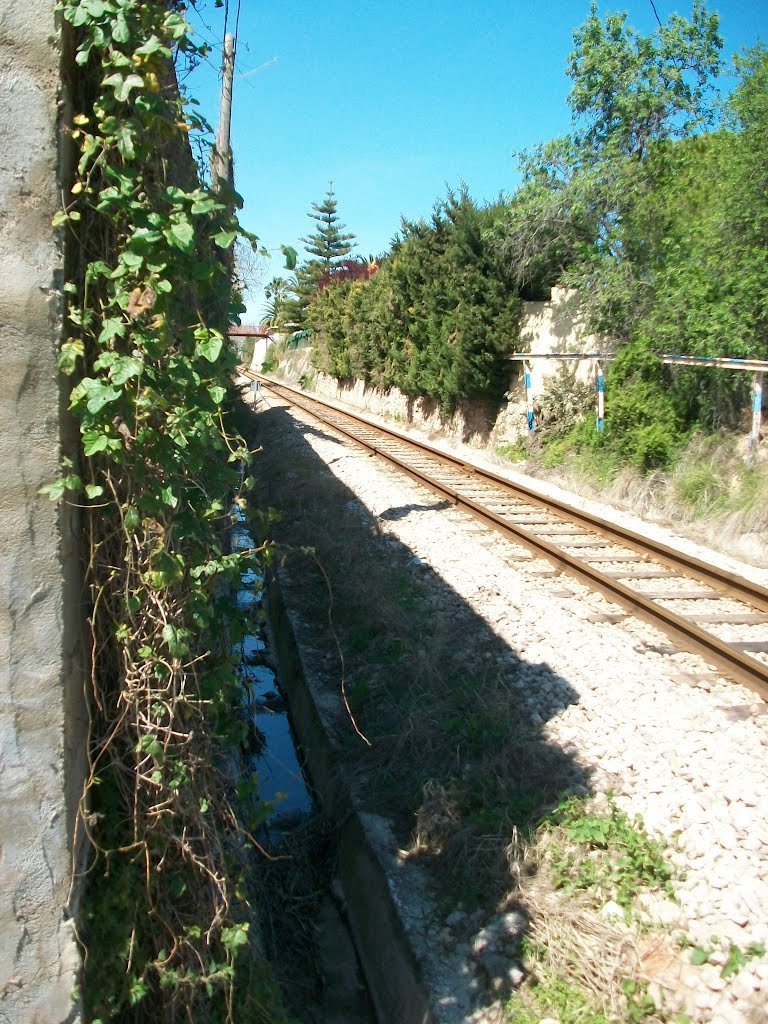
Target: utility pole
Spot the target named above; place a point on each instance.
(221, 157)
(222, 178)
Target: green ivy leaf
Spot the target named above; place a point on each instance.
(209, 344)
(94, 441)
(122, 86)
(232, 938)
(181, 235)
(125, 367)
(175, 639)
(224, 238)
(121, 33)
(94, 490)
(96, 269)
(168, 497)
(205, 205)
(152, 746)
(124, 139)
(113, 327)
(217, 393)
(153, 45)
(132, 260)
(58, 488)
(165, 570)
(175, 26)
(100, 395)
(131, 518)
(71, 350)
(87, 148)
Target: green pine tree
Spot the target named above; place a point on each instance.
(327, 246)
(328, 243)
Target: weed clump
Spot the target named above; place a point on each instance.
(609, 856)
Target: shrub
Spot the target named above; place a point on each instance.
(437, 319)
(644, 420)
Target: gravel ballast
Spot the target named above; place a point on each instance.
(655, 727)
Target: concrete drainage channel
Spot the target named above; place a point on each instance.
(395, 993)
(391, 972)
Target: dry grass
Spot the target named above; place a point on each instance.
(290, 888)
(715, 493)
(455, 763)
(576, 946)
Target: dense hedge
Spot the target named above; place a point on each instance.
(436, 319)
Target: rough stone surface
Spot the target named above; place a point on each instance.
(637, 723)
(41, 729)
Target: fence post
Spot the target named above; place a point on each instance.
(528, 367)
(757, 408)
(600, 422)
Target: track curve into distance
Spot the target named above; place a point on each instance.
(691, 601)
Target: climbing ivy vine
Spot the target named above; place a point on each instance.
(166, 925)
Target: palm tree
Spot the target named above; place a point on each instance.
(277, 293)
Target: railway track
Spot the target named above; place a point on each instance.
(697, 605)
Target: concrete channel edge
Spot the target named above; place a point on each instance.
(388, 960)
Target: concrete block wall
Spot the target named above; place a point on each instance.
(42, 730)
(558, 326)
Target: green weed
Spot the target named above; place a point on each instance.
(271, 361)
(563, 1000)
(551, 993)
(516, 452)
(737, 957)
(640, 1005)
(702, 487)
(607, 855)
(557, 451)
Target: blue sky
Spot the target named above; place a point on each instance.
(394, 102)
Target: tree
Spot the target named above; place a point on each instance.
(709, 274)
(277, 294)
(327, 246)
(551, 222)
(328, 243)
(659, 221)
(630, 90)
(587, 214)
(436, 319)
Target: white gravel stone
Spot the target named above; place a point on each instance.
(669, 748)
(611, 911)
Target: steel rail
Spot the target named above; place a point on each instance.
(690, 636)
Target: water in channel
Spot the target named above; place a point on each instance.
(295, 828)
(275, 761)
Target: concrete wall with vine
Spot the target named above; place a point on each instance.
(41, 677)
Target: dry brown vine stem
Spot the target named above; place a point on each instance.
(342, 683)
